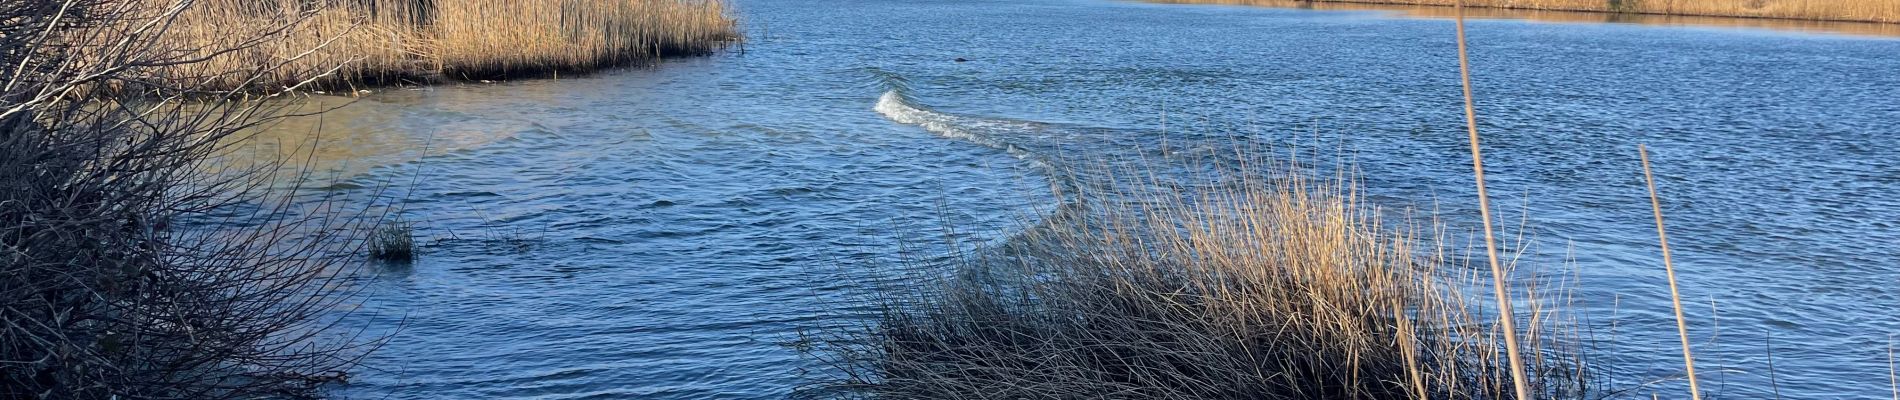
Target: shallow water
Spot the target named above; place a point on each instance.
(655, 233)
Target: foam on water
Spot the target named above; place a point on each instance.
(684, 218)
(894, 105)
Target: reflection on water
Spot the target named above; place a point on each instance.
(681, 222)
(333, 138)
(1425, 11)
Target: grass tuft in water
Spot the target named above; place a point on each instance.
(393, 241)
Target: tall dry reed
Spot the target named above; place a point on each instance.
(488, 38)
(1247, 284)
(1500, 286)
(370, 42)
(1669, 266)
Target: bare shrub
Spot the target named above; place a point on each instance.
(134, 263)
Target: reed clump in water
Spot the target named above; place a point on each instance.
(1887, 11)
(393, 241)
(1238, 286)
(369, 42)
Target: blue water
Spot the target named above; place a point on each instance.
(657, 232)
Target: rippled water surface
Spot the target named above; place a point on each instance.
(655, 233)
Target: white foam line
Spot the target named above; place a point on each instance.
(893, 106)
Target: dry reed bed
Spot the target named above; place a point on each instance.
(370, 42)
(1244, 286)
(1884, 11)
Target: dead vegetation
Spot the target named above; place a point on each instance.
(374, 42)
(133, 265)
(1254, 283)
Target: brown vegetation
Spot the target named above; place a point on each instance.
(382, 41)
(1885, 11)
(1242, 285)
(139, 259)
(133, 265)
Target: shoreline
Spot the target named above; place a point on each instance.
(1873, 11)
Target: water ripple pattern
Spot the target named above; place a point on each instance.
(654, 233)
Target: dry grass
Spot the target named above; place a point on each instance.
(1240, 285)
(506, 37)
(369, 42)
(1886, 11)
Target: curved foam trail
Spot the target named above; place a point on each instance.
(894, 106)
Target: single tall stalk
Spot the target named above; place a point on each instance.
(1891, 379)
(1682, 324)
(1505, 315)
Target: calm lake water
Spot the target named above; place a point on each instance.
(656, 233)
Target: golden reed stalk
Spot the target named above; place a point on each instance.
(1505, 315)
(1892, 380)
(1682, 325)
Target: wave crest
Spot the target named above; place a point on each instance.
(897, 107)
